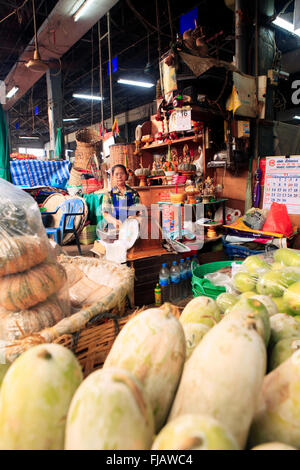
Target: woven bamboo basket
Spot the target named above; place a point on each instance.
(88, 143)
(85, 322)
(92, 344)
(118, 153)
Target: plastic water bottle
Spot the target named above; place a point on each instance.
(164, 281)
(183, 279)
(175, 282)
(189, 275)
(195, 259)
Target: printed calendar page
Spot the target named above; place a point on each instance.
(282, 183)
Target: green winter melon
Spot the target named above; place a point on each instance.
(35, 397)
(201, 310)
(152, 347)
(244, 281)
(254, 264)
(283, 326)
(271, 283)
(194, 333)
(225, 301)
(292, 298)
(194, 432)
(287, 256)
(282, 351)
(110, 411)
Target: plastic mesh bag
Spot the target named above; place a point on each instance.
(33, 285)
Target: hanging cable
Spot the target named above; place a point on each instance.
(158, 28)
(100, 71)
(170, 20)
(143, 20)
(34, 26)
(15, 11)
(92, 77)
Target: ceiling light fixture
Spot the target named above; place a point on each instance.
(12, 92)
(82, 9)
(70, 119)
(29, 138)
(135, 83)
(286, 25)
(87, 97)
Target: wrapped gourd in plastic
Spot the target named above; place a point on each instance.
(33, 285)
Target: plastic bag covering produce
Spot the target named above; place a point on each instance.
(255, 218)
(278, 220)
(33, 288)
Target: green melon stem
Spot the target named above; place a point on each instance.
(190, 443)
(44, 354)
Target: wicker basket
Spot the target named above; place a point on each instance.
(119, 153)
(75, 177)
(88, 143)
(89, 319)
(92, 344)
(87, 138)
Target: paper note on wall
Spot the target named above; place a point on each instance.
(180, 120)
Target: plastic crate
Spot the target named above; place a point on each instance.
(237, 251)
(202, 286)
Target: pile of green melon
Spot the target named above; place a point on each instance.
(279, 280)
(224, 376)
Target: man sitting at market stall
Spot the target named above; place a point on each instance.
(122, 201)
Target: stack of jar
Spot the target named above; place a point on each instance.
(176, 283)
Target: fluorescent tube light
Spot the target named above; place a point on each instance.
(135, 83)
(29, 138)
(286, 25)
(296, 117)
(70, 119)
(87, 97)
(12, 92)
(82, 9)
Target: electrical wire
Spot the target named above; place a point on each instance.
(143, 20)
(15, 11)
(34, 26)
(92, 77)
(285, 7)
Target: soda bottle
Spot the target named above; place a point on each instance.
(164, 281)
(189, 275)
(183, 279)
(175, 282)
(157, 295)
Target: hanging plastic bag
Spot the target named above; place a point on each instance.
(278, 220)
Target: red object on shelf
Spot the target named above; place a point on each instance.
(262, 166)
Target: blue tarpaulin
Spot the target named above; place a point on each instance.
(30, 173)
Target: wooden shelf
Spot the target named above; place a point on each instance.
(174, 142)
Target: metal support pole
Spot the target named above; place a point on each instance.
(241, 53)
(110, 69)
(55, 101)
